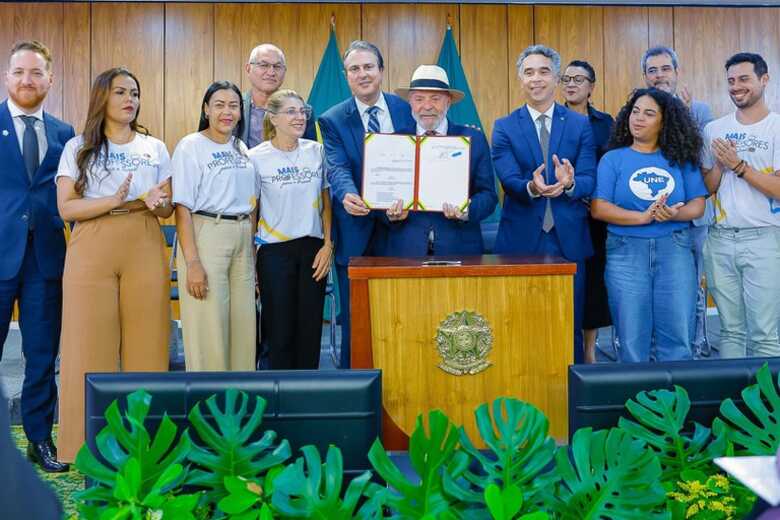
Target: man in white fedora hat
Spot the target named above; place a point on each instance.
(454, 231)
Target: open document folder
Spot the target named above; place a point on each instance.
(422, 171)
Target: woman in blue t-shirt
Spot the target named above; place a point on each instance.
(648, 190)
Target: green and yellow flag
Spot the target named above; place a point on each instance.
(330, 85)
(329, 88)
(465, 112)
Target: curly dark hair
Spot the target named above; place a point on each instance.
(679, 140)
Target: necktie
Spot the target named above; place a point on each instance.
(431, 132)
(373, 119)
(548, 222)
(30, 146)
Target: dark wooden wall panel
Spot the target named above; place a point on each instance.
(408, 35)
(660, 26)
(178, 49)
(189, 59)
(131, 35)
(758, 32)
(484, 54)
(577, 33)
(28, 21)
(625, 39)
(76, 63)
(520, 30)
(701, 61)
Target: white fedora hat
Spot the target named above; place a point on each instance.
(430, 77)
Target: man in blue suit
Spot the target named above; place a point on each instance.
(343, 128)
(32, 249)
(545, 158)
(452, 232)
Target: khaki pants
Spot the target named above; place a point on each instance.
(116, 310)
(219, 331)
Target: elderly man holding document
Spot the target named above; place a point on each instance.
(436, 186)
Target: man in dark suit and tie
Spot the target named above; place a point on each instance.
(545, 158)
(32, 249)
(343, 128)
(454, 231)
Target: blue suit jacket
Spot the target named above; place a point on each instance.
(601, 125)
(516, 154)
(342, 134)
(409, 237)
(22, 201)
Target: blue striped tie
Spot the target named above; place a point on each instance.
(373, 119)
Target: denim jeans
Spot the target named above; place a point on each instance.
(699, 235)
(743, 276)
(651, 285)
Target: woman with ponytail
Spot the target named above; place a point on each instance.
(215, 193)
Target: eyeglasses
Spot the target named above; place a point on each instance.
(265, 66)
(305, 111)
(579, 79)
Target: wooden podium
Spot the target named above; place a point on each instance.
(398, 305)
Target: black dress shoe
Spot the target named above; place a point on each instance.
(44, 454)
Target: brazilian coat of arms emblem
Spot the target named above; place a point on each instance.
(464, 340)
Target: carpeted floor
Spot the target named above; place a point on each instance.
(64, 484)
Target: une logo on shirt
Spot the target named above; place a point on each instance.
(650, 183)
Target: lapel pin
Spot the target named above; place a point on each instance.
(5, 133)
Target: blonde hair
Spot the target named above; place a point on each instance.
(274, 105)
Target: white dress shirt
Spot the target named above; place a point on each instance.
(548, 123)
(19, 126)
(385, 123)
(440, 130)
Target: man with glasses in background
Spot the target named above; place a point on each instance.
(266, 69)
(660, 69)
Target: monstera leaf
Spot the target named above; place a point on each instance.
(609, 475)
(247, 499)
(229, 452)
(428, 455)
(518, 451)
(310, 489)
(661, 416)
(759, 433)
(138, 467)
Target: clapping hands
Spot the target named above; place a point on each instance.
(157, 197)
(564, 175)
(658, 211)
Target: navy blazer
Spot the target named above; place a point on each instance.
(516, 154)
(601, 125)
(22, 201)
(309, 133)
(409, 237)
(342, 134)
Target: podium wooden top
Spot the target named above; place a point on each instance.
(367, 267)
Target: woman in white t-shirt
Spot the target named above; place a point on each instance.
(113, 182)
(294, 234)
(215, 193)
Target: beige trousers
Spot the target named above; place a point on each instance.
(116, 309)
(219, 331)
